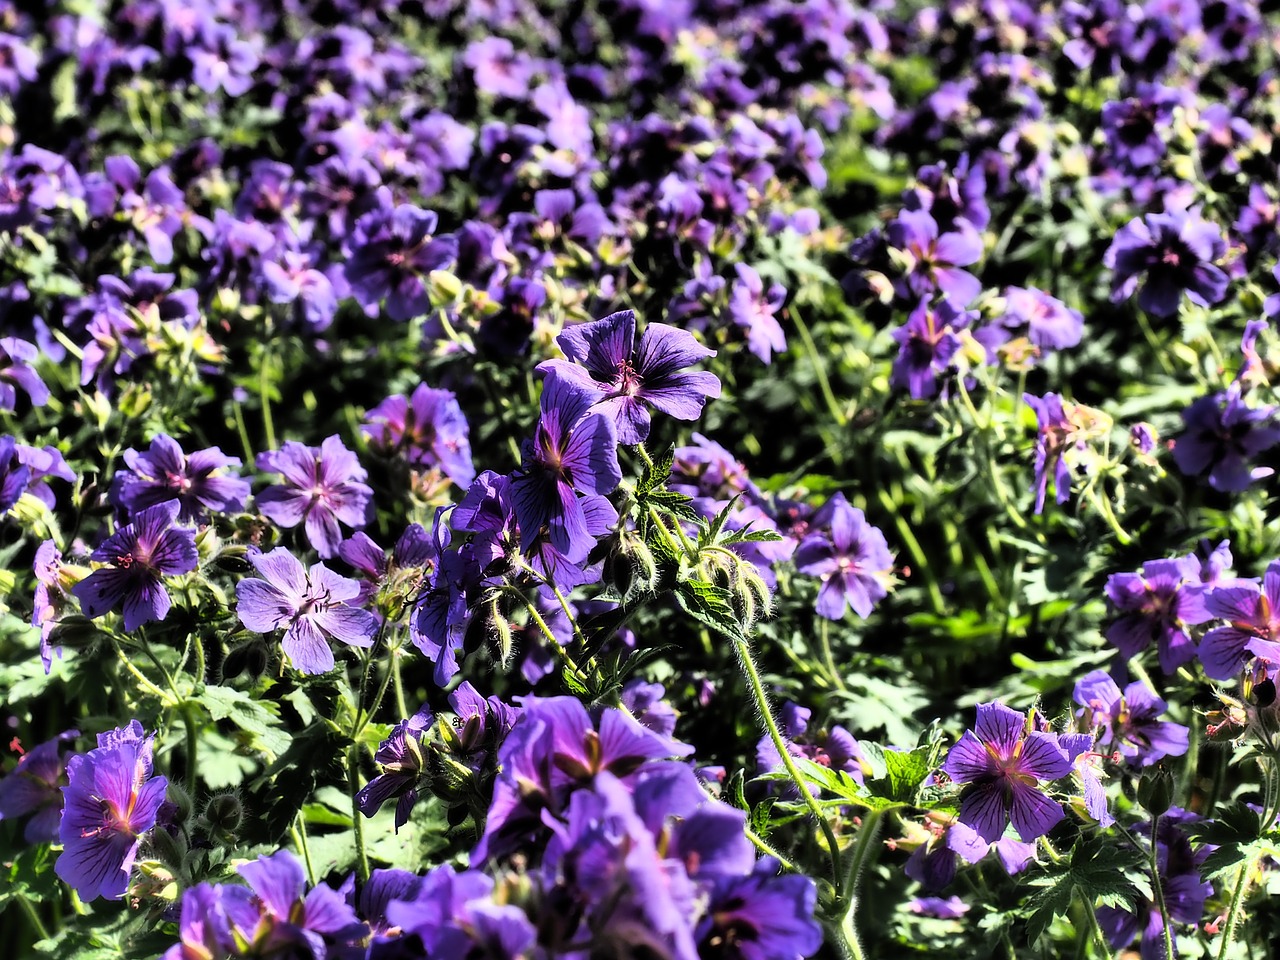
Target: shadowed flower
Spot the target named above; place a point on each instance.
(1223, 434)
(1128, 719)
(110, 801)
(33, 787)
(751, 308)
(853, 561)
(278, 920)
(164, 472)
(932, 261)
(309, 605)
(141, 555)
(322, 486)
(1002, 763)
(1066, 429)
(1169, 254)
(629, 378)
(428, 428)
(761, 915)
(16, 357)
(1158, 605)
(926, 344)
(401, 757)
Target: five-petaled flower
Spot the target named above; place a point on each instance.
(1003, 765)
(322, 486)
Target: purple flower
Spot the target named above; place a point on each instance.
(751, 308)
(926, 344)
(1252, 613)
(15, 476)
(110, 800)
(278, 920)
(1184, 892)
(16, 357)
(574, 450)
(429, 429)
(1128, 719)
(1157, 605)
(203, 928)
(932, 261)
(1002, 763)
(1044, 320)
(164, 472)
(1223, 433)
(761, 916)
(951, 908)
(310, 605)
(1063, 444)
(498, 69)
(629, 377)
(295, 280)
(395, 252)
(853, 561)
(322, 486)
(33, 787)
(454, 915)
(835, 748)
(1170, 254)
(140, 554)
(50, 598)
(402, 759)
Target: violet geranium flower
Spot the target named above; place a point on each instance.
(932, 260)
(1170, 254)
(1252, 612)
(853, 561)
(402, 760)
(428, 428)
(322, 486)
(164, 472)
(111, 799)
(309, 605)
(1129, 719)
(32, 787)
(1157, 605)
(574, 450)
(16, 357)
(1223, 433)
(1002, 764)
(140, 555)
(629, 377)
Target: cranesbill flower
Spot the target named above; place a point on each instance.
(1223, 434)
(1003, 764)
(574, 450)
(853, 561)
(33, 787)
(926, 344)
(932, 261)
(428, 428)
(322, 486)
(761, 915)
(110, 800)
(1252, 612)
(277, 920)
(203, 928)
(402, 759)
(751, 308)
(629, 377)
(15, 476)
(309, 605)
(1169, 254)
(16, 357)
(1062, 447)
(140, 556)
(396, 251)
(1128, 719)
(164, 472)
(1157, 605)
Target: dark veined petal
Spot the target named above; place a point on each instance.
(283, 571)
(590, 458)
(1043, 758)
(348, 624)
(261, 607)
(306, 647)
(146, 600)
(968, 760)
(983, 808)
(602, 345)
(1033, 814)
(999, 727)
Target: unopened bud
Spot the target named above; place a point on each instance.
(1155, 790)
(224, 814)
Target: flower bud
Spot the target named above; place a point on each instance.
(224, 814)
(1155, 790)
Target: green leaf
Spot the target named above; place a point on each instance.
(904, 773)
(657, 475)
(676, 504)
(710, 605)
(251, 716)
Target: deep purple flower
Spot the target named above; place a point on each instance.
(16, 357)
(1044, 320)
(751, 308)
(396, 251)
(926, 344)
(1137, 127)
(1184, 892)
(646, 703)
(1157, 605)
(402, 759)
(164, 472)
(278, 920)
(203, 929)
(1223, 434)
(44, 463)
(1128, 719)
(1170, 254)
(322, 486)
(454, 915)
(853, 561)
(110, 800)
(1063, 443)
(428, 428)
(1252, 612)
(932, 261)
(1003, 763)
(606, 359)
(309, 605)
(762, 916)
(294, 279)
(15, 476)
(34, 787)
(834, 748)
(574, 450)
(140, 554)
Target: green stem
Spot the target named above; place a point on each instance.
(357, 818)
(556, 645)
(1103, 506)
(1095, 929)
(268, 425)
(863, 846)
(402, 708)
(165, 698)
(299, 831)
(1158, 888)
(189, 722)
(784, 752)
(1233, 911)
(908, 538)
(769, 850)
(825, 640)
(33, 918)
(819, 368)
